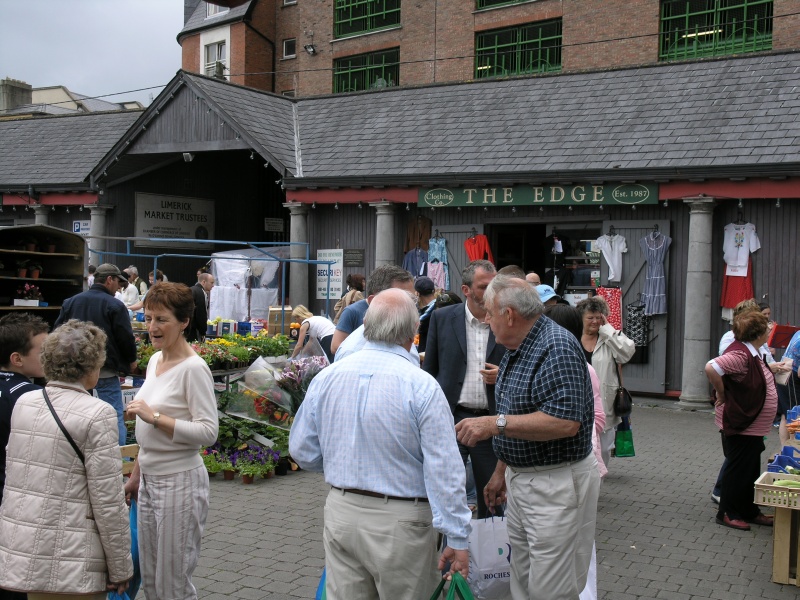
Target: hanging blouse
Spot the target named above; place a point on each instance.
(477, 248)
(612, 247)
(739, 242)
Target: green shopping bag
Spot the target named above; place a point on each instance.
(458, 589)
(623, 440)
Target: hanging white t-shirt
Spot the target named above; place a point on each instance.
(739, 242)
(612, 247)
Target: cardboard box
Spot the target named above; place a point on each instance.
(279, 316)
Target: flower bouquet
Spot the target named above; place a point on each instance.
(297, 375)
(260, 398)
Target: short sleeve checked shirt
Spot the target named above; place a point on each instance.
(547, 373)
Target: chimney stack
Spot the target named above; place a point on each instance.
(14, 93)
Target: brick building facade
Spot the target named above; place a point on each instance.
(297, 47)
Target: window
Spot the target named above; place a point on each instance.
(288, 2)
(530, 48)
(697, 28)
(215, 53)
(214, 9)
(351, 17)
(366, 71)
(289, 48)
(492, 3)
(288, 93)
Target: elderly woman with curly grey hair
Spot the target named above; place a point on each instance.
(606, 349)
(64, 530)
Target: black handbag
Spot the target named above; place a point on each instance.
(623, 403)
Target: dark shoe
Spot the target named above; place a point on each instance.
(733, 523)
(765, 520)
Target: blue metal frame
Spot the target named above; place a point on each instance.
(254, 245)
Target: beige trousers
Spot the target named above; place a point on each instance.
(551, 519)
(377, 548)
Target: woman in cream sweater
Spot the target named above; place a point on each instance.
(176, 415)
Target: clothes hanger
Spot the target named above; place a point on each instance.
(611, 231)
(438, 236)
(474, 232)
(739, 219)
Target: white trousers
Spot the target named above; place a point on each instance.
(172, 513)
(377, 548)
(551, 519)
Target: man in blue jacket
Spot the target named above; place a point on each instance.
(99, 306)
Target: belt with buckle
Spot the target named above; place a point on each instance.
(478, 412)
(377, 495)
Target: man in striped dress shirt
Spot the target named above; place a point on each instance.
(382, 432)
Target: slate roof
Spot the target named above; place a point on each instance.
(57, 150)
(710, 114)
(265, 117)
(198, 21)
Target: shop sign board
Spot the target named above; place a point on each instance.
(273, 225)
(335, 270)
(354, 257)
(541, 195)
(178, 217)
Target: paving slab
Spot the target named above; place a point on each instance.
(656, 534)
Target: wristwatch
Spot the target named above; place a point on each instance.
(156, 416)
(501, 424)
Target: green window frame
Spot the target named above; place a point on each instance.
(479, 4)
(354, 17)
(700, 28)
(525, 49)
(374, 70)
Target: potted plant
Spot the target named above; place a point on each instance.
(253, 461)
(50, 245)
(28, 243)
(211, 461)
(35, 269)
(28, 295)
(22, 268)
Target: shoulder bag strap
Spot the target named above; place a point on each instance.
(62, 428)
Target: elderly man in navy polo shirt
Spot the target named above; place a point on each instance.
(542, 437)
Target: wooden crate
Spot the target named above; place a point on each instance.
(130, 451)
(786, 547)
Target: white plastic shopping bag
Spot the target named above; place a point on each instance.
(490, 559)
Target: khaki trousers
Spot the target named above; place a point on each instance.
(376, 548)
(551, 518)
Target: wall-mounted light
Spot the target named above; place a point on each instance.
(52, 209)
(778, 203)
(80, 208)
(513, 209)
(407, 206)
(313, 205)
(741, 204)
(569, 208)
(310, 48)
(666, 204)
(68, 210)
(336, 206)
(485, 209)
(541, 209)
(252, 154)
(360, 205)
(633, 207)
(600, 206)
(188, 157)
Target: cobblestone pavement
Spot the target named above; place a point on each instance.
(656, 535)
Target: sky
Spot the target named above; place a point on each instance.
(93, 47)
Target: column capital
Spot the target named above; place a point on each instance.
(296, 208)
(40, 209)
(99, 209)
(384, 208)
(700, 204)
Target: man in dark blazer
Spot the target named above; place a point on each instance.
(201, 292)
(463, 356)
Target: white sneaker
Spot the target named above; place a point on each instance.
(714, 498)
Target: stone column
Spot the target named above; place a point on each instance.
(697, 293)
(98, 227)
(384, 234)
(42, 214)
(298, 272)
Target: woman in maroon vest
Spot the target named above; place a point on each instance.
(746, 404)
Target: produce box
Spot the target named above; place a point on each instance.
(278, 314)
(786, 547)
(768, 494)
